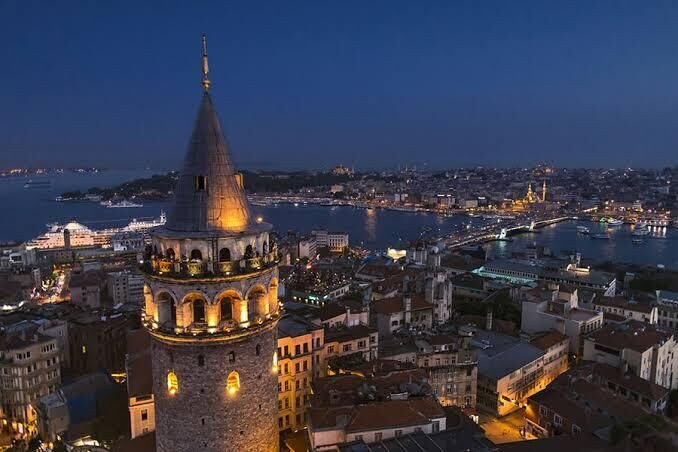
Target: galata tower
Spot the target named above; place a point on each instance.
(211, 306)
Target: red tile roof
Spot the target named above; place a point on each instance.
(397, 304)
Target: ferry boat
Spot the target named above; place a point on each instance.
(44, 183)
(143, 225)
(600, 236)
(614, 222)
(583, 230)
(640, 231)
(122, 204)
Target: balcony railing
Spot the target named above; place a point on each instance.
(202, 269)
(201, 328)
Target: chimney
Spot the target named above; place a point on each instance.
(488, 320)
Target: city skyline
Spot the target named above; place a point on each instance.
(366, 86)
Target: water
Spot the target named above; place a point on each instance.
(661, 247)
(26, 211)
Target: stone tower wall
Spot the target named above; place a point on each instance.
(202, 415)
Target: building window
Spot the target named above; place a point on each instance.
(557, 420)
(575, 429)
(231, 357)
(258, 350)
(436, 426)
(196, 255)
(358, 437)
(226, 310)
(201, 360)
(172, 383)
(200, 183)
(398, 433)
(378, 436)
(233, 382)
(144, 415)
(249, 252)
(224, 255)
(542, 410)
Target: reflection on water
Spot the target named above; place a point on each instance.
(371, 225)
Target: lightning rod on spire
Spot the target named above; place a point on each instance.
(205, 68)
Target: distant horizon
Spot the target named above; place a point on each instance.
(419, 168)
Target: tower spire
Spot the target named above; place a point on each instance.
(205, 68)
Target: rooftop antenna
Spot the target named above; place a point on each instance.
(205, 68)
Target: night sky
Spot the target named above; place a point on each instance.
(367, 83)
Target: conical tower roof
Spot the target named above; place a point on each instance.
(209, 196)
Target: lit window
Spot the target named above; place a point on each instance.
(233, 382)
(275, 362)
(172, 383)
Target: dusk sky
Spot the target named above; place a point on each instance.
(318, 83)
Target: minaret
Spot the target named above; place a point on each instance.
(543, 192)
(211, 306)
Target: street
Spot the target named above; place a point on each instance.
(505, 429)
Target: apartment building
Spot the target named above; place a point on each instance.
(125, 287)
(642, 349)
(452, 368)
(410, 311)
(301, 358)
(29, 369)
(509, 371)
(629, 309)
(357, 340)
(550, 307)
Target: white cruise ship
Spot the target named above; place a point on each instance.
(80, 235)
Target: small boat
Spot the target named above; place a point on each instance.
(583, 230)
(44, 183)
(600, 236)
(123, 204)
(614, 222)
(640, 231)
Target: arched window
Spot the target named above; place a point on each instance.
(196, 255)
(233, 383)
(167, 311)
(226, 308)
(249, 253)
(231, 357)
(258, 350)
(198, 311)
(224, 255)
(170, 254)
(264, 248)
(172, 383)
(201, 360)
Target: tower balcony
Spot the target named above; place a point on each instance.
(188, 269)
(198, 330)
